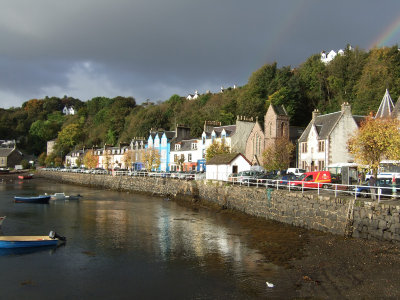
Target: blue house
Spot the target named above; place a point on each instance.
(160, 140)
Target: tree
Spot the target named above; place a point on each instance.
(68, 137)
(179, 160)
(216, 148)
(90, 160)
(42, 159)
(278, 155)
(129, 158)
(376, 140)
(151, 159)
(107, 160)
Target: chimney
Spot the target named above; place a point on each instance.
(315, 114)
(182, 132)
(345, 107)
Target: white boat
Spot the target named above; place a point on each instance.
(62, 196)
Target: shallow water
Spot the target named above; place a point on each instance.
(126, 246)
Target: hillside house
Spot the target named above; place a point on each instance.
(324, 141)
(10, 157)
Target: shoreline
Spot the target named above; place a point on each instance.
(318, 264)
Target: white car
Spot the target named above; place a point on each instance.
(295, 171)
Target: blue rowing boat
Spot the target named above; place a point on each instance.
(30, 241)
(34, 199)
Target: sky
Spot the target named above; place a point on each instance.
(153, 49)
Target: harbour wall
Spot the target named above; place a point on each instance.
(341, 216)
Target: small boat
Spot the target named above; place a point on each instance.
(1, 220)
(33, 199)
(62, 196)
(30, 241)
(58, 196)
(29, 176)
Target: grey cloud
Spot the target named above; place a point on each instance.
(153, 47)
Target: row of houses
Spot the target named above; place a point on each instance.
(321, 144)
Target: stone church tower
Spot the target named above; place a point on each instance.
(276, 124)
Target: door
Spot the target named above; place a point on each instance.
(234, 169)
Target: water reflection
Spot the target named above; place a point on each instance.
(29, 250)
(154, 244)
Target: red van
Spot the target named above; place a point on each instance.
(313, 179)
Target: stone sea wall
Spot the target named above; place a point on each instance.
(342, 216)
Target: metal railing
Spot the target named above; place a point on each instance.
(381, 193)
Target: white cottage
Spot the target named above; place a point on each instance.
(221, 166)
(324, 141)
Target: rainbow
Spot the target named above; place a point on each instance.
(387, 35)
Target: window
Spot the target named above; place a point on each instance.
(321, 165)
(203, 154)
(194, 146)
(175, 157)
(189, 157)
(304, 148)
(321, 146)
(303, 165)
(204, 140)
(177, 146)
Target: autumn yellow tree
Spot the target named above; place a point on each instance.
(216, 148)
(107, 160)
(376, 140)
(151, 159)
(129, 158)
(90, 160)
(278, 155)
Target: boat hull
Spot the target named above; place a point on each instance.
(38, 199)
(7, 242)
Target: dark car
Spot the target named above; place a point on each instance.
(384, 187)
(284, 180)
(265, 179)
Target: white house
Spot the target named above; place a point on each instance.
(220, 166)
(324, 141)
(68, 110)
(193, 97)
(189, 153)
(75, 158)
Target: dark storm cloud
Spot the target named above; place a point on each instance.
(154, 48)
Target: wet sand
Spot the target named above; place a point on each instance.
(325, 266)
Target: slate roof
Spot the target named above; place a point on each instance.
(4, 152)
(279, 110)
(386, 107)
(225, 159)
(230, 130)
(168, 134)
(324, 125)
(186, 145)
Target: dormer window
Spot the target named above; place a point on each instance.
(194, 146)
(177, 146)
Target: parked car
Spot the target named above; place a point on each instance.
(285, 179)
(295, 171)
(245, 177)
(316, 179)
(232, 177)
(265, 179)
(384, 187)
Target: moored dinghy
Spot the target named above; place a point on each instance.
(33, 199)
(30, 241)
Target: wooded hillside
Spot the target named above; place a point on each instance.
(357, 77)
